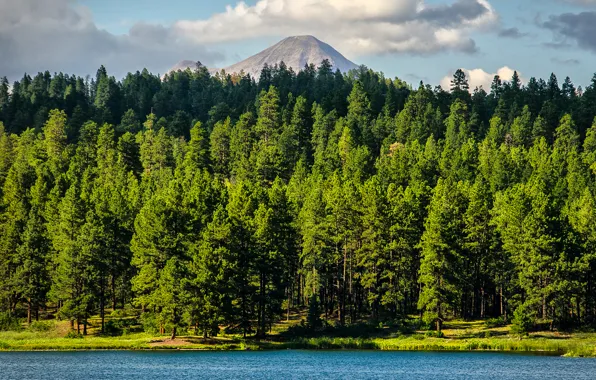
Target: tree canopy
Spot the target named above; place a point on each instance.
(212, 201)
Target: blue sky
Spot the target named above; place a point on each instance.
(411, 39)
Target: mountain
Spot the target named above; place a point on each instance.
(183, 65)
(295, 52)
(187, 64)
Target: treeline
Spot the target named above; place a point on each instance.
(235, 201)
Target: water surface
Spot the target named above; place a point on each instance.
(289, 365)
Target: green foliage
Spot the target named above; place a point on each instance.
(121, 326)
(219, 201)
(73, 334)
(9, 322)
(313, 320)
(434, 334)
(523, 320)
(150, 323)
(495, 322)
(42, 326)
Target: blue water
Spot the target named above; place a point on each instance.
(289, 365)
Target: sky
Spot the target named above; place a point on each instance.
(411, 39)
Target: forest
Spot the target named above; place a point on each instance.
(224, 202)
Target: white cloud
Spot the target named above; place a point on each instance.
(480, 78)
(355, 27)
(60, 35)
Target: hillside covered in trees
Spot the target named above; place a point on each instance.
(221, 201)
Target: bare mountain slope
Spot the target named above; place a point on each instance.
(295, 52)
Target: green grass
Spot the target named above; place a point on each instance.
(571, 347)
(32, 341)
(459, 336)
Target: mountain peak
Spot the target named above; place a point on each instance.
(305, 37)
(295, 52)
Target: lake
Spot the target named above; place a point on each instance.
(289, 365)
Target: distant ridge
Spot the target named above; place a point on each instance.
(187, 64)
(295, 52)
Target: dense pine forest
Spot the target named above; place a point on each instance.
(225, 202)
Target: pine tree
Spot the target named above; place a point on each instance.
(33, 254)
(74, 277)
(241, 208)
(266, 155)
(406, 215)
(527, 224)
(211, 268)
(521, 130)
(359, 118)
(442, 244)
(220, 147)
(4, 98)
(112, 215)
(129, 123)
(460, 88)
(242, 141)
(55, 139)
(316, 242)
(160, 253)
(16, 205)
(484, 268)
(372, 255)
(6, 155)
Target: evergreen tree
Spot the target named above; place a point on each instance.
(16, 204)
(442, 247)
(160, 251)
(74, 278)
(266, 155)
(220, 147)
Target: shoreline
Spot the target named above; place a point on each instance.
(540, 346)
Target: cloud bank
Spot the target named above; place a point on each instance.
(356, 27)
(574, 27)
(60, 35)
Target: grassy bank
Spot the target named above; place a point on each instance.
(571, 347)
(458, 336)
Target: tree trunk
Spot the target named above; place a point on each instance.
(174, 332)
(482, 302)
(244, 314)
(343, 288)
(85, 327)
(113, 293)
(29, 311)
(289, 300)
(439, 318)
(262, 313)
(501, 300)
(102, 306)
